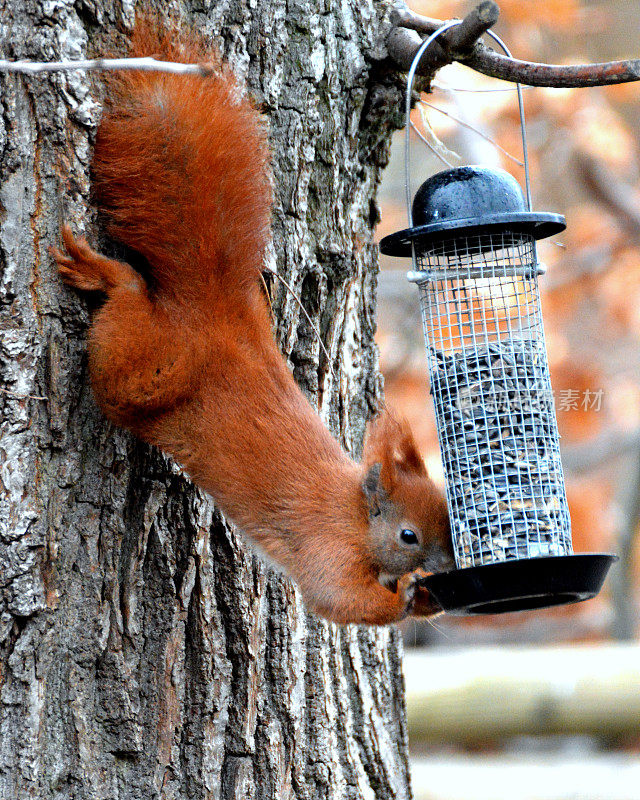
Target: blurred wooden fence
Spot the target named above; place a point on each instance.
(484, 695)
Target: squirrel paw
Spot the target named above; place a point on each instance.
(85, 269)
(418, 602)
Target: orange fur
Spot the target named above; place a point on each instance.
(189, 363)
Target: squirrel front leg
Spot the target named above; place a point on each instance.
(366, 601)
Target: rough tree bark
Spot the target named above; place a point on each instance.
(144, 652)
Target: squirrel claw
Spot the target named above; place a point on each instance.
(77, 266)
(407, 588)
(83, 268)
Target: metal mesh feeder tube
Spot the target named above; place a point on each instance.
(473, 244)
(492, 395)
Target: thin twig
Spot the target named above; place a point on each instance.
(445, 87)
(144, 64)
(266, 294)
(404, 40)
(437, 628)
(433, 149)
(23, 396)
(475, 130)
(304, 311)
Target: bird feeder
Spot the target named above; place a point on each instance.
(472, 239)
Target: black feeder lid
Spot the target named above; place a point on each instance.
(519, 585)
(469, 201)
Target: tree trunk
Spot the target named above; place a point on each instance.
(144, 652)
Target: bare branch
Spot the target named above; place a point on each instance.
(403, 42)
(18, 396)
(600, 451)
(456, 42)
(558, 75)
(144, 64)
(463, 37)
(609, 190)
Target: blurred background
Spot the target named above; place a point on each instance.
(542, 704)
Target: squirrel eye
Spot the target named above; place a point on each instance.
(408, 537)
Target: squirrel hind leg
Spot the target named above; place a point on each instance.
(85, 269)
(142, 361)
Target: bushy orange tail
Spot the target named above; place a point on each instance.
(181, 168)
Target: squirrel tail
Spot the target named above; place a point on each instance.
(181, 168)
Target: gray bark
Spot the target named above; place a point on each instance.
(144, 652)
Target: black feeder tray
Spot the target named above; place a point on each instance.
(520, 585)
(473, 244)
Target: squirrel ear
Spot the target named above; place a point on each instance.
(406, 456)
(391, 442)
(374, 491)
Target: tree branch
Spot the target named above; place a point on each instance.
(404, 40)
(606, 187)
(622, 578)
(458, 42)
(599, 452)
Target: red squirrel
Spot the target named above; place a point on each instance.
(187, 360)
